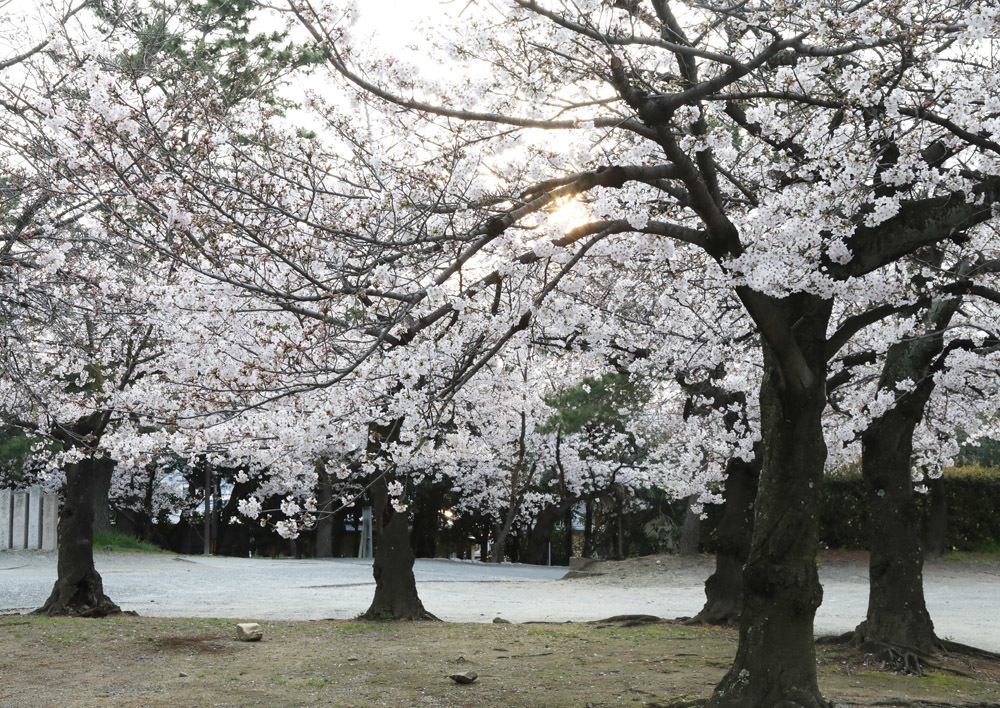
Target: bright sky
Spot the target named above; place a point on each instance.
(402, 28)
(391, 23)
(394, 23)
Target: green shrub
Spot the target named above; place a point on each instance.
(123, 543)
(973, 499)
(843, 520)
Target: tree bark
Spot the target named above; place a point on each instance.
(428, 499)
(324, 504)
(395, 586)
(588, 530)
(103, 469)
(690, 530)
(78, 590)
(499, 539)
(541, 534)
(775, 662)
(897, 613)
(724, 588)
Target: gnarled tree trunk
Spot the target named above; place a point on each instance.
(78, 590)
(775, 662)
(395, 586)
(100, 492)
(690, 542)
(724, 588)
(897, 613)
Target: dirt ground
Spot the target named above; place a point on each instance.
(139, 662)
(146, 662)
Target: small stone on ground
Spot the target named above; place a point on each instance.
(249, 632)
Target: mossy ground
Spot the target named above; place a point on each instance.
(139, 662)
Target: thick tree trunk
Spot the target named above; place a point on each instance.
(395, 587)
(500, 533)
(541, 535)
(324, 505)
(897, 614)
(690, 530)
(724, 588)
(588, 530)
(775, 662)
(78, 590)
(428, 498)
(100, 490)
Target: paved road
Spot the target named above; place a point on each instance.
(963, 598)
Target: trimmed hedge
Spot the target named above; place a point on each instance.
(973, 500)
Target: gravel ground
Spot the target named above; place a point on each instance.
(963, 597)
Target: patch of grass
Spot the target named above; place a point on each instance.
(123, 543)
(400, 665)
(986, 551)
(359, 627)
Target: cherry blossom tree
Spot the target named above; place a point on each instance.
(900, 384)
(80, 330)
(805, 148)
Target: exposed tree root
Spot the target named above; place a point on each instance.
(703, 620)
(910, 660)
(902, 660)
(79, 597)
(106, 609)
(906, 703)
(894, 657)
(845, 638)
(627, 620)
(420, 615)
(966, 650)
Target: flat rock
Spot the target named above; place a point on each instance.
(500, 620)
(249, 632)
(465, 677)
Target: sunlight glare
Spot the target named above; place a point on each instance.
(569, 214)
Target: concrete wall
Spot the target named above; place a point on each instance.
(6, 500)
(28, 519)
